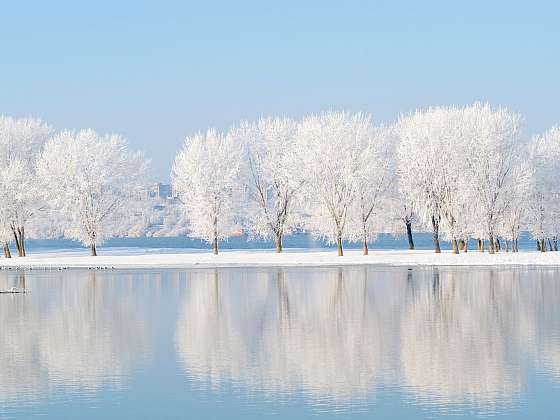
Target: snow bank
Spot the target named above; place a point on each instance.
(269, 258)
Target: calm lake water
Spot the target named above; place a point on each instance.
(281, 343)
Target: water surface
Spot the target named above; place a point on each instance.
(297, 343)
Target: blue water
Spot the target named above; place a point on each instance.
(297, 343)
(297, 241)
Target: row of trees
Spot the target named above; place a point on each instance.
(462, 172)
(74, 184)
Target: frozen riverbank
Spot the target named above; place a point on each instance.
(141, 259)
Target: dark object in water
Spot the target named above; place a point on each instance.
(13, 290)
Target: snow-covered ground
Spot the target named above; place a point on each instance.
(152, 259)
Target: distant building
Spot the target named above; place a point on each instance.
(164, 191)
(160, 191)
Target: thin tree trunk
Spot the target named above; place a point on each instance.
(21, 234)
(555, 244)
(538, 245)
(550, 247)
(409, 235)
(215, 242)
(516, 241)
(542, 245)
(481, 245)
(18, 245)
(435, 225)
(339, 246)
(278, 243)
(507, 244)
(455, 246)
(461, 244)
(7, 252)
(366, 249)
(215, 245)
(491, 244)
(466, 248)
(498, 245)
(93, 248)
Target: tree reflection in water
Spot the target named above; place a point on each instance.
(441, 336)
(79, 337)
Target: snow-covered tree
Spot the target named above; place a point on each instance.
(376, 177)
(430, 169)
(21, 141)
(493, 147)
(544, 209)
(331, 147)
(206, 178)
(89, 178)
(272, 176)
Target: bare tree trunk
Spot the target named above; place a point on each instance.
(550, 247)
(17, 241)
(455, 246)
(339, 245)
(435, 225)
(409, 234)
(542, 245)
(21, 234)
(466, 247)
(278, 242)
(366, 249)
(538, 245)
(215, 245)
(7, 252)
(481, 245)
(555, 241)
(491, 244)
(498, 245)
(516, 242)
(93, 248)
(215, 242)
(507, 245)
(461, 244)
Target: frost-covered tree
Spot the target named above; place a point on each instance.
(21, 141)
(206, 178)
(89, 178)
(430, 169)
(271, 173)
(493, 147)
(544, 209)
(331, 147)
(376, 176)
(517, 203)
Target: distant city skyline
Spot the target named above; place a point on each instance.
(158, 72)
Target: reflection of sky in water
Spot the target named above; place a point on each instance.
(257, 343)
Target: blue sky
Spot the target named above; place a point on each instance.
(159, 71)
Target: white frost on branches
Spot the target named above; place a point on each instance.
(332, 144)
(89, 179)
(271, 174)
(21, 141)
(206, 178)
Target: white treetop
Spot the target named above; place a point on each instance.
(493, 149)
(206, 177)
(88, 178)
(272, 176)
(21, 141)
(331, 147)
(429, 168)
(544, 208)
(376, 177)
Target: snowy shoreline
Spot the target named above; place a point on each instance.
(143, 259)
